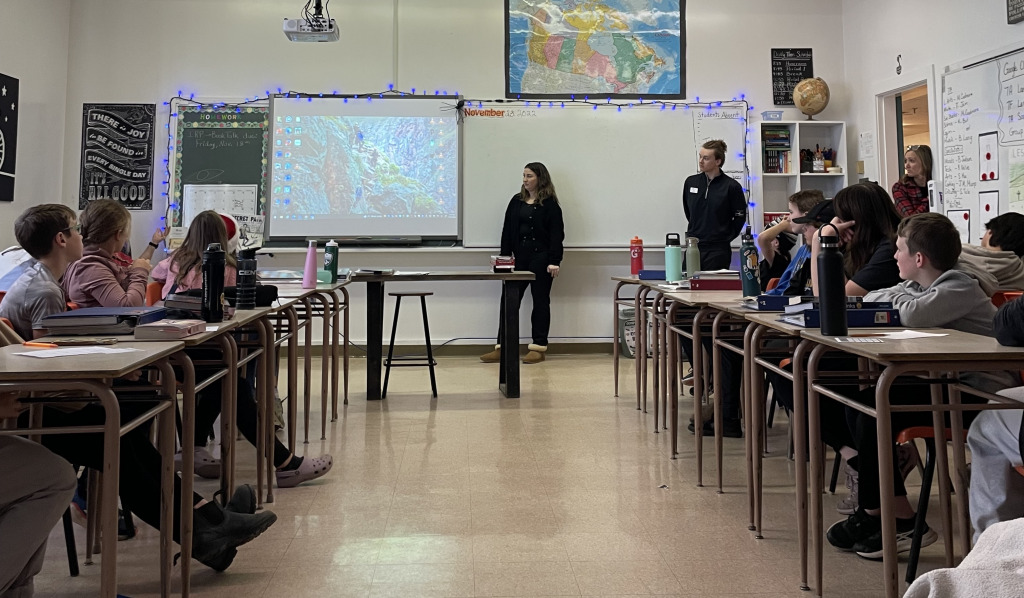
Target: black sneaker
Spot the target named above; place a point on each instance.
(845, 534)
(731, 428)
(871, 547)
(214, 542)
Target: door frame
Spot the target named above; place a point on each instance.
(887, 158)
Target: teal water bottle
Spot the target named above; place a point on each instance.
(331, 260)
(673, 258)
(748, 266)
(692, 256)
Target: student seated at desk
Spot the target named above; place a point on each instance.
(997, 490)
(183, 270)
(999, 258)
(99, 279)
(807, 211)
(50, 233)
(933, 295)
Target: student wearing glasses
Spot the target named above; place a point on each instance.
(911, 192)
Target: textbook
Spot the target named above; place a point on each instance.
(855, 318)
(851, 303)
(779, 302)
(169, 329)
(90, 320)
(716, 284)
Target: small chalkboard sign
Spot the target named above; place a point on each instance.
(1014, 11)
(219, 146)
(789, 67)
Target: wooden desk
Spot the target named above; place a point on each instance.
(935, 358)
(88, 373)
(618, 301)
(508, 372)
(699, 301)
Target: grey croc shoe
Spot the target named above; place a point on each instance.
(310, 469)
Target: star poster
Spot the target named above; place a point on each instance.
(8, 135)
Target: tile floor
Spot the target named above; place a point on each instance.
(564, 492)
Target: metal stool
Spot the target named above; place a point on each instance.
(416, 361)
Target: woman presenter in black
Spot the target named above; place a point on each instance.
(533, 234)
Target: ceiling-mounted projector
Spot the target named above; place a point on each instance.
(312, 30)
(313, 26)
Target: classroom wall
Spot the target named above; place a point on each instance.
(923, 33)
(146, 50)
(34, 50)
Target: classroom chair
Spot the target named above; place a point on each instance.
(413, 360)
(154, 290)
(927, 433)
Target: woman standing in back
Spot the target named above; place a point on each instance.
(911, 192)
(533, 233)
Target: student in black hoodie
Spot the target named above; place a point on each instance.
(533, 233)
(715, 207)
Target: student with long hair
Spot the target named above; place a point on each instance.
(533, 233)
(911, 192)
(182, 271)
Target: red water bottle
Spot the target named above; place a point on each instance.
(636, 256)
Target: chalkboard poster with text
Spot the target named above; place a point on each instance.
(789, 67)
(117, 154)
(8, 135)
(1014, 11)
(219, 146)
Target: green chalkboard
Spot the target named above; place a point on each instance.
(219, 146)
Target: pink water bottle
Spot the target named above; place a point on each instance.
(636, 256)
(309, 274)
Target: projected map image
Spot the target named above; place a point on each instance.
(594, 46)
(364, 167)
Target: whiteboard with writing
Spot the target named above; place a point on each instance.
(983, 141)
(617, 173)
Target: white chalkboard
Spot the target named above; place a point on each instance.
(983, 142)
(617, 173)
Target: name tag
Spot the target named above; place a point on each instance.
(693, 190)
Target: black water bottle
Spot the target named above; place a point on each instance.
(213, 283)
(245, 283)
(831, 285)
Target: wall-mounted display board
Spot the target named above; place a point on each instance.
(983, 142)
(617, 173)
(218, 146)
(789, 67)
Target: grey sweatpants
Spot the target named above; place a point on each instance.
(997, 491)
(35, 488)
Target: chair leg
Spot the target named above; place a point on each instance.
(835, 473)
(430, 352)
(391, 348)
(922, 509)
(69, 542)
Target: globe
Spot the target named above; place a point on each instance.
(811, 96)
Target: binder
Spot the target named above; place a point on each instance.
(716, 284)
(855, 318)
(104, 316)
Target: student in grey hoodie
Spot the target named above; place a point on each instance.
(932, 294)
(997, 263)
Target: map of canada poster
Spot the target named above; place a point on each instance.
(604, 48)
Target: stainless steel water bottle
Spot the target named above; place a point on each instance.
(831, 285)
(673, 258)
(213, 283)
(245, 282)
(748, 266)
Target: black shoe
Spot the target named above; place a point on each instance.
(218, 532)
(856, 528)
(871, 547)
(242, 501)
(731, 428)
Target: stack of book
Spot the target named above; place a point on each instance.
(101, 320)
(716, 280)
(503, 263)
(859, 314)
(192, 304)
(777, 148)
(169, 329)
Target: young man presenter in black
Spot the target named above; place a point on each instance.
(715, 207)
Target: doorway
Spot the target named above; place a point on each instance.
(912, 119)
(905, 115)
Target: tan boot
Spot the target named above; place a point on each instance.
(492, 357)
(536, 354)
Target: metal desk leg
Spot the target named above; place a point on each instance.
(508, 370)
(307, 366)
(293, 375)
(188, 457)
(166, 436)
(344, 350)
(374, 337)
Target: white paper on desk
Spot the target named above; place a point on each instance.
(909, 334)
(69, 351)
(671, 286)
(211, 328)
(410, 273)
